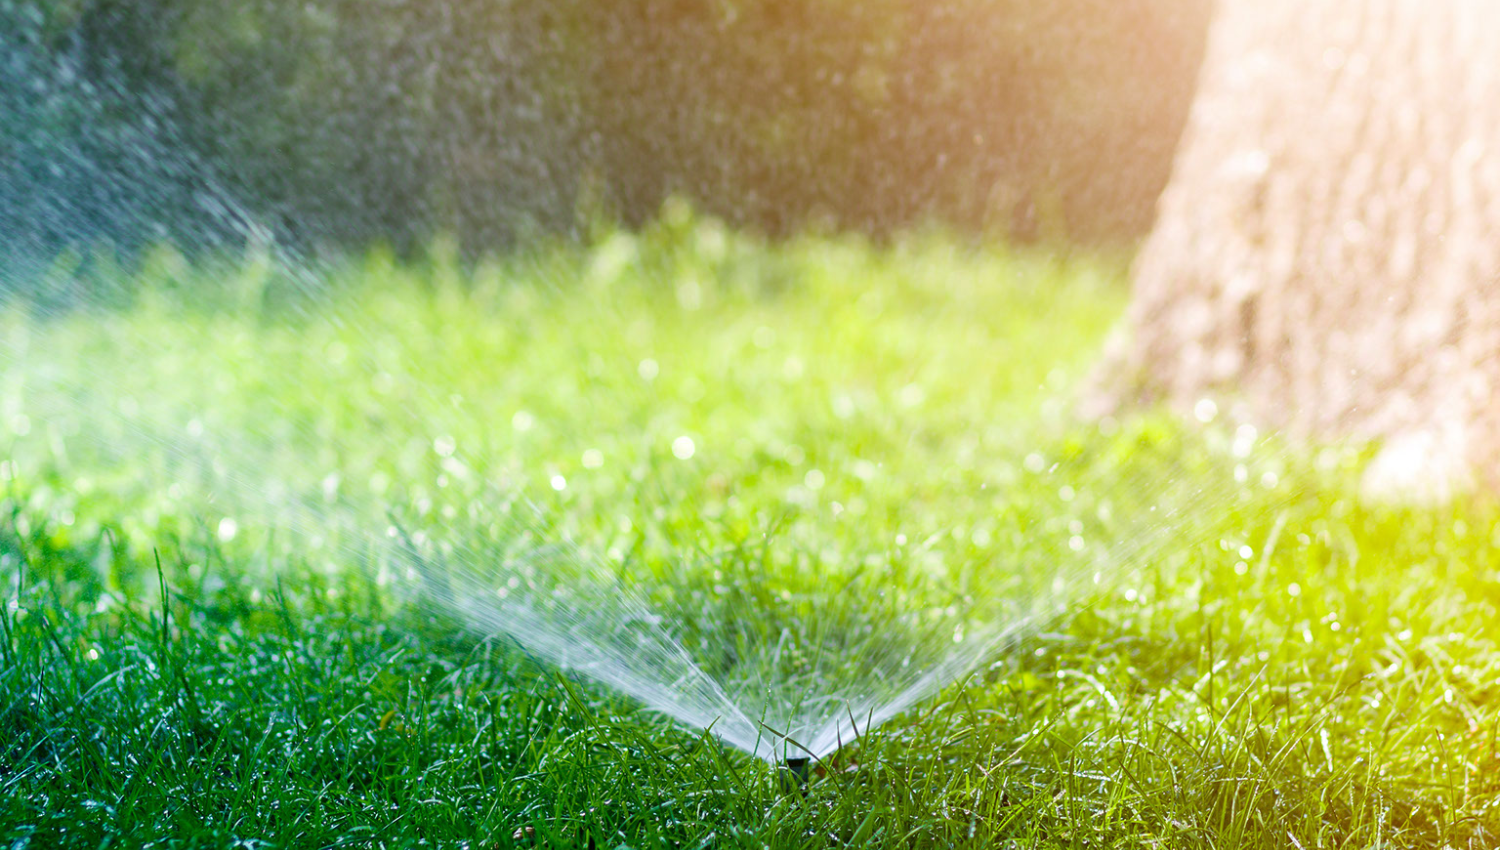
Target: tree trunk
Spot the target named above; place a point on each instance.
(1327, 248)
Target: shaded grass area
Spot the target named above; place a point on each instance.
(210, 487)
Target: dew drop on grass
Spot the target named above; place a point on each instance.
(559, 483)
(683, 448)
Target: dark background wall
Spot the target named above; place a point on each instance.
(332, 123)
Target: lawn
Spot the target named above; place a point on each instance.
(242, 509)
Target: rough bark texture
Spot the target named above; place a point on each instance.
(1326, 252)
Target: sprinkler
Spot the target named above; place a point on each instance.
(794, 775)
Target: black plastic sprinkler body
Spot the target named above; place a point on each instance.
(794, 775)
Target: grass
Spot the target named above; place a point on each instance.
(210, 484)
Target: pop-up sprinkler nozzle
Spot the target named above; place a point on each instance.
(794, 774)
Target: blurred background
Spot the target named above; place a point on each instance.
(331, 125)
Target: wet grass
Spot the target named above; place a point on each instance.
(208, 487)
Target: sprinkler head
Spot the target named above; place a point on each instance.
(794, 775)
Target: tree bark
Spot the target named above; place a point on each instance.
(1327, 248)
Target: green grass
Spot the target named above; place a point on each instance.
(202, 644)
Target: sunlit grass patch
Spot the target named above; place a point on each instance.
(818, 430)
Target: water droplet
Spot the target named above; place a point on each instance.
(683, 448)
(1246, 552)
(559, 483)
(1294, 590)
(228, 528)
(444, 445)
(1244, 440)
(813, 480)
(1205, 410)
(522, 421)
(689, 294)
